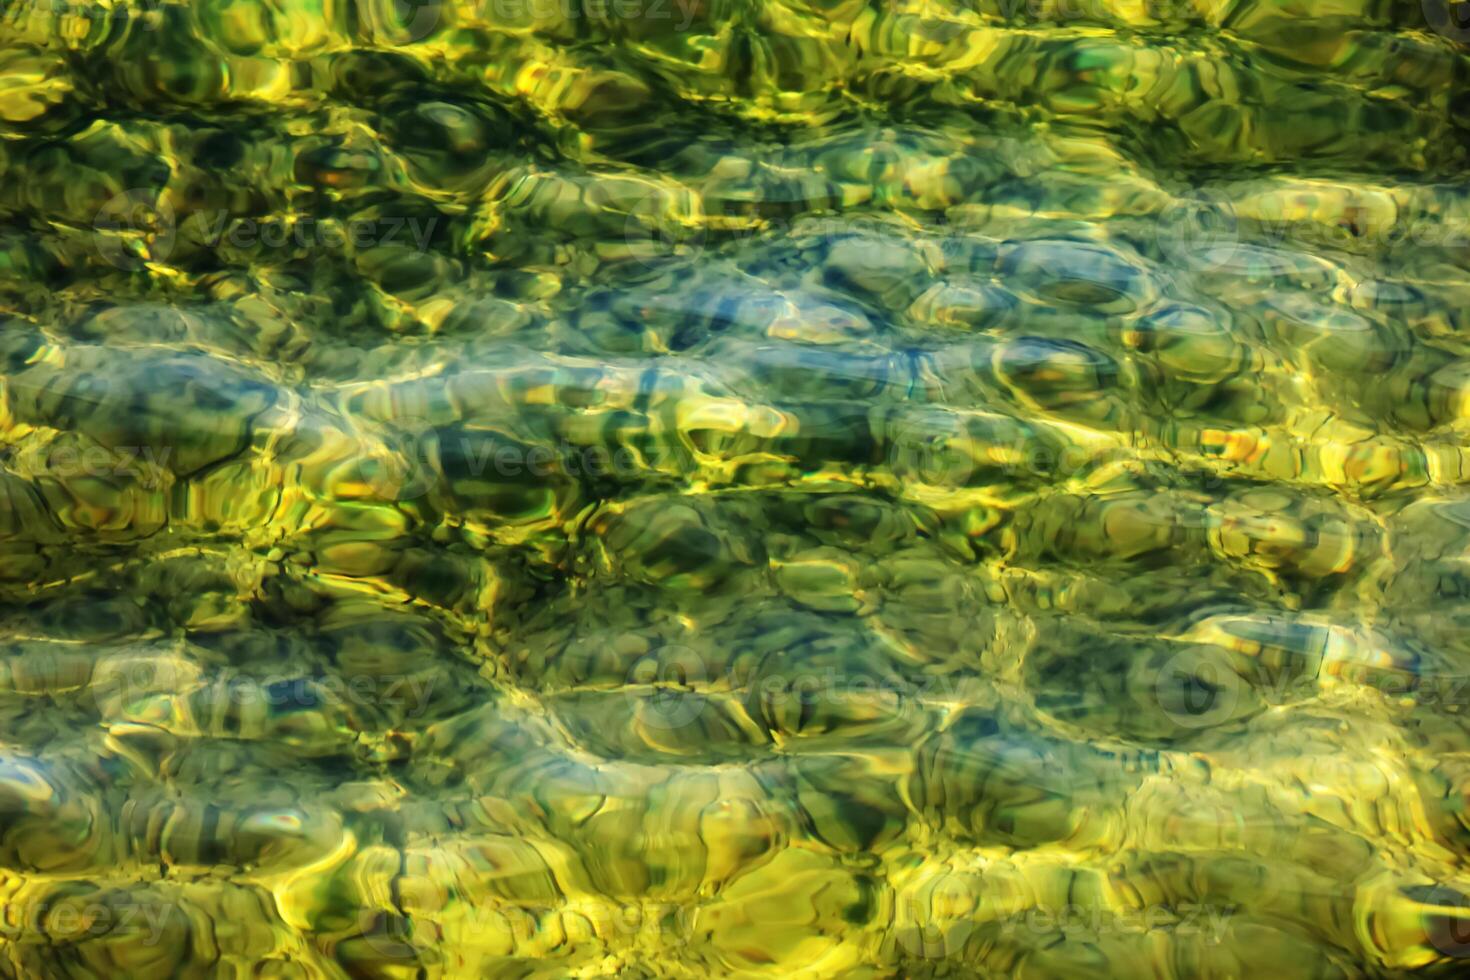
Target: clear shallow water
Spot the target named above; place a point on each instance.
(730, 489)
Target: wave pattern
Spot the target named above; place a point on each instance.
(544, 488)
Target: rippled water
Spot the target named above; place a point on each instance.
(703, 488)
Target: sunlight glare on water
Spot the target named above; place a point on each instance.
(734, 488)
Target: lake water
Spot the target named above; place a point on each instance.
(734, 488)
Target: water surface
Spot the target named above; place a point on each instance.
(717, 488)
